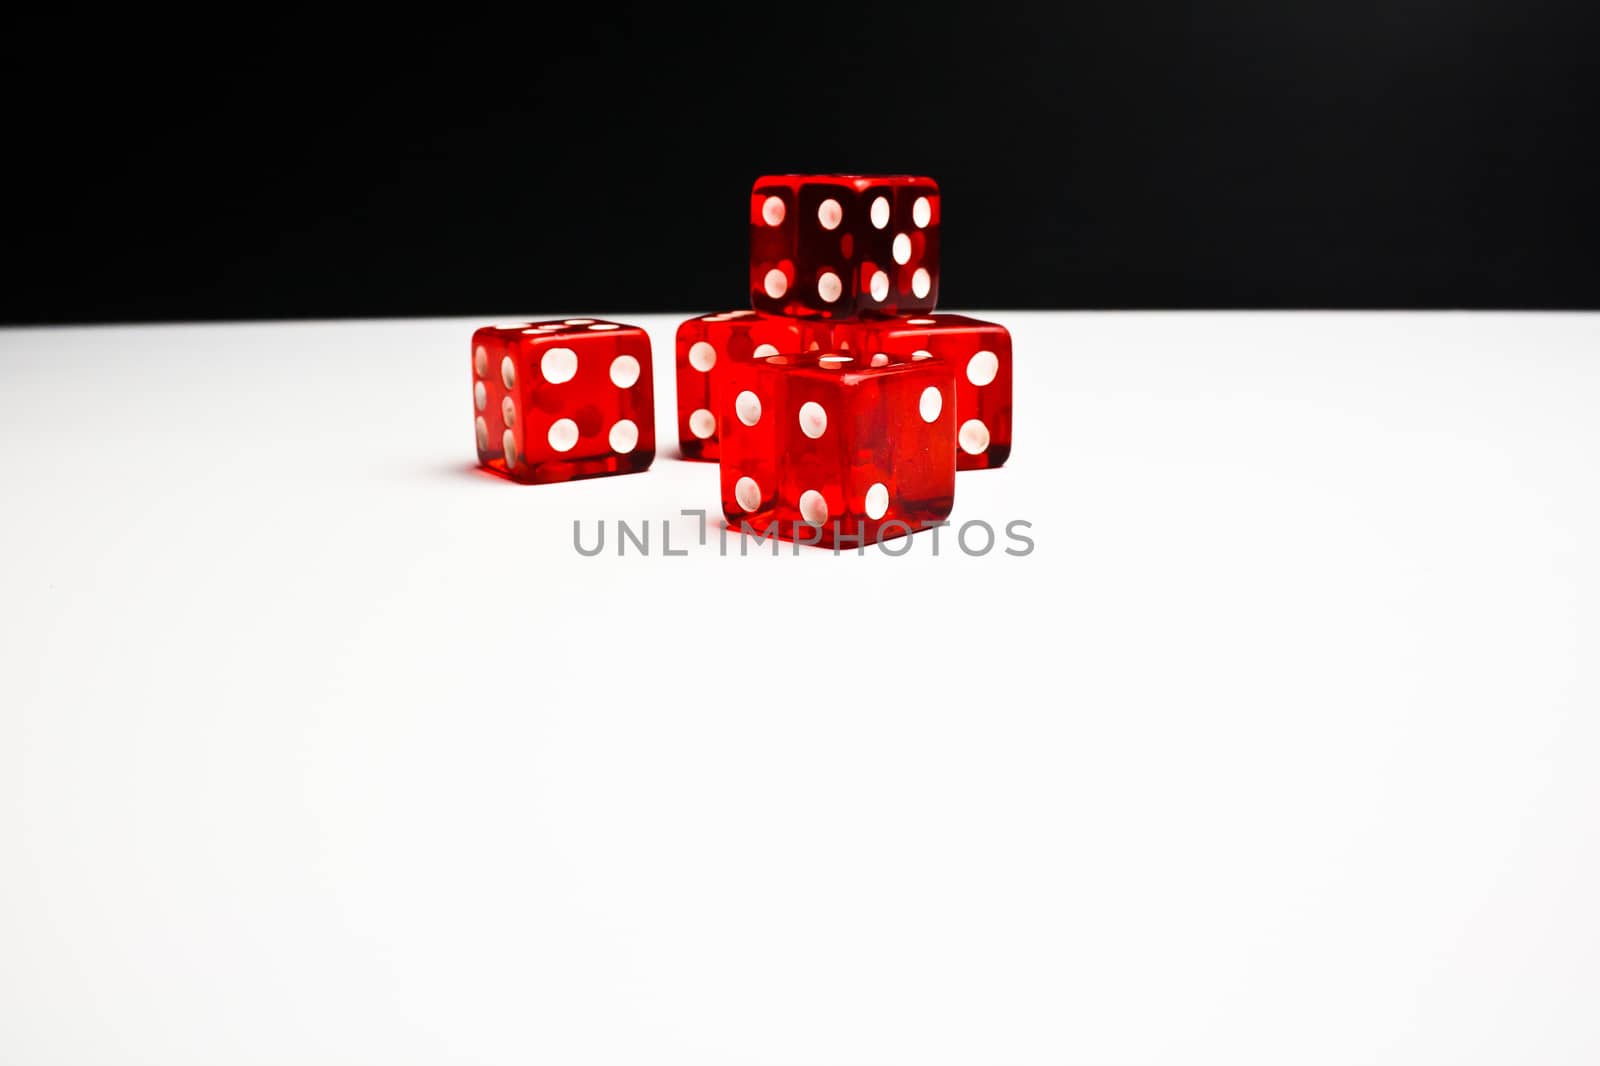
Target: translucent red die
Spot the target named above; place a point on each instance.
(837, 245)
(825, 448)
(558, 401)
(978, 352)
(707, 345)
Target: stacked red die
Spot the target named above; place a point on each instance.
(833, 246)
(558, 401)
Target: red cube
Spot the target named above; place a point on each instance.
(558, 401)
(837, 245)
(827, 448)
(978, 352)
(707, 345)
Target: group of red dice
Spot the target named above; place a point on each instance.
(839, 407)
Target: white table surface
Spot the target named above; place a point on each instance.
(1283, 745)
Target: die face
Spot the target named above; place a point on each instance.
(563, 400)
(898, 263)
(706, 346)
(835, 246)
(917, 278)
(863, 451)
(979, 355)
(802, 254)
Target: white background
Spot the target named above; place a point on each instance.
(317, 746)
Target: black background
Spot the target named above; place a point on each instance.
(596, 159)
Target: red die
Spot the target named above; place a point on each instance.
(557, 401)
(980, 355)
(836, 245)
(707, 345)
(864, 451)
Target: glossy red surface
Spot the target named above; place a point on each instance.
(562, 400)
(837, 245)
(826, 448)
(707, 345)
(978, 353)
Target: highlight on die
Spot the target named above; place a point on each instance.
(839, 406)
